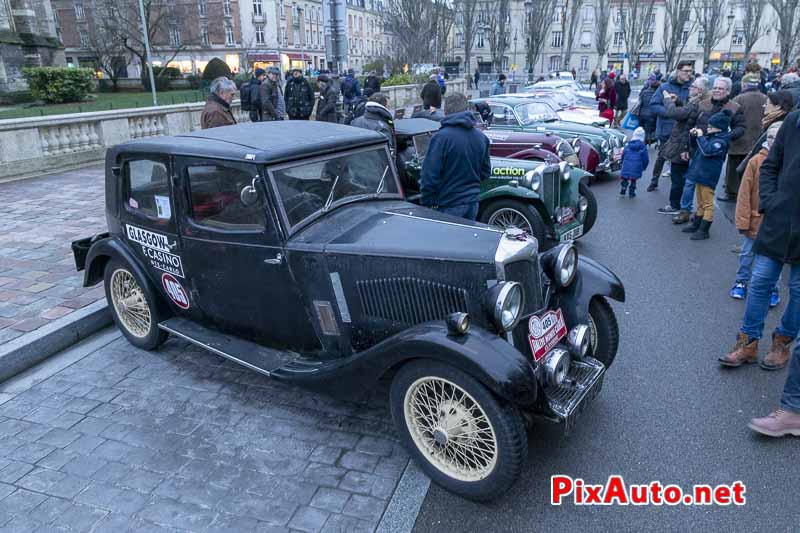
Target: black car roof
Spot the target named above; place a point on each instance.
(415, 126)
(260, 142)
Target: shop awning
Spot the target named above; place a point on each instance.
(263, 57)
(299, 57)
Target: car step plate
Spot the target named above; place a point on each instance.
(249, 354)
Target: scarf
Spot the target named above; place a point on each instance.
(772, 117)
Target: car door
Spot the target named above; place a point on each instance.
(148, 221)
(239, 278)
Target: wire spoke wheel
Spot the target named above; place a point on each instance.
(506, 217)
(592, 335)
(130, 303)
(451, 429)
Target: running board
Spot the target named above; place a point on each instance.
(246, 353)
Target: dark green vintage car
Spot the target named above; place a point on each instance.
(548, 199)
(522, 114)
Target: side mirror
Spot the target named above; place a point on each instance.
(249, 195)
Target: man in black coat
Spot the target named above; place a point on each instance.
(299, 96)
(456, 163)
(778, 244)
(326, 104)
(372, 84)
(623, 89)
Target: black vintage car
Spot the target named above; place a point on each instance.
(287, 247)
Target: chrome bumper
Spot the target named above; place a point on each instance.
(583, 383)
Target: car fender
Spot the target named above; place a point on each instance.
(484, 355)
(578, 174)
(509, 191)
(592, 279)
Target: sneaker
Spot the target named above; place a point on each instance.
(667, 210)
(632, 194)
(778, 424)
(774, 298)
(736, 249)
(665, 174)
(622, 193)
(652, 187)
(738, 290)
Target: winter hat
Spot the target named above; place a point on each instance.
(324, 78)
(751, 80)
(638, 134)
(721, 120)
(612, 75)
(259, 72)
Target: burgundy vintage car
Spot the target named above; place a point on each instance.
(543, 146)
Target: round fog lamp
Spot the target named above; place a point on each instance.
(578, 340)
(556, 366)
(458, 323)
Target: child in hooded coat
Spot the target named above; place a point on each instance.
(635, 161)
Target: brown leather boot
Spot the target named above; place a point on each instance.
(779, 354)
(743, 352)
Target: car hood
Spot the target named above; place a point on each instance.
(401, 230)
(580, 117)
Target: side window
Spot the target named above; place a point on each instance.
(147, 189)
(215, 198)
(503, 116)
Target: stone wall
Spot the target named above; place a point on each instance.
(32, 146)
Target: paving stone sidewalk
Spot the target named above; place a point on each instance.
(182, 440)
(39, 219)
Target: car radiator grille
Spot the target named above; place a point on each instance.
(410, 300)
(551, 185)
(526, 273)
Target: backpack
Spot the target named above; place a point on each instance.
(349, 88)
(244, 96)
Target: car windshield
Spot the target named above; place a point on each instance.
(535, 112)
(312, 187)
(562, 99)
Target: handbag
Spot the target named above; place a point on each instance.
(607, 113)
(630, 122)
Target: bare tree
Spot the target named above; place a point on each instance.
(443, 18)
(412, 23)
(636, 18)
(499, 18)
(537, 26)
(602, 16)
(711, 23)
(570, 20)
(105, 42)
(788, 26)
(468, 22)
(752, 28)
(678, 21)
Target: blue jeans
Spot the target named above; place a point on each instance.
(468, 211)
(791, 389)
(766, 272)
(746, 257)
(688, 195)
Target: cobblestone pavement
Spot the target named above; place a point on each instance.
(180, 439)
(39, 218)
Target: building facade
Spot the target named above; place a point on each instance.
(27, 39)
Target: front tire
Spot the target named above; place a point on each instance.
(505, 213)
(463, 438)
(604, 340)
(133, 310)
(591, 209)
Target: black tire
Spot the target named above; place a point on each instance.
(526, 209)
(507, 424)
(152, 337)
(604, 340)
(591, 209)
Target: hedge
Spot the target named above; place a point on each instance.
(216, 68)
(57, 85)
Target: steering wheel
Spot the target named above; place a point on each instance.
(303, 203)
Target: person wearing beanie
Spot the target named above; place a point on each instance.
(711, 149)
(751, 102)
(634, 162)
(326, 103)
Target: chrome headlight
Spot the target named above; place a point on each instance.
(576, 145)
(566, 265)
(533, 179)
(583, 203)
(506, 300)
(604, 145)
(556, 366)
(564, 170)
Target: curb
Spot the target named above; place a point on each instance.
(409, 495)
(32, 348)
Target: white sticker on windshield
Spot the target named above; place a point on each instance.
(162, 207)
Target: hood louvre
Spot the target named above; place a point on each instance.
(410, 300)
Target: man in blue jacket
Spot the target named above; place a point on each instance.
(679, 86)
(456, 163)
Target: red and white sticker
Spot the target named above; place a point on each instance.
(175, 291)
(544, 332)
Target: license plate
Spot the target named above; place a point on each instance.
(545, 331)
(572, 234)
(617, 154)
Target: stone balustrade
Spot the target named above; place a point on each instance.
(31, 146)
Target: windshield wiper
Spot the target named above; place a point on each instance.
(382, 182)
(330, 196)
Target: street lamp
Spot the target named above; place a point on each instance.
(528, 11)
(514, 74)
(731, 17)
(147, 51)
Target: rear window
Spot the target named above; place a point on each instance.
(147, 193)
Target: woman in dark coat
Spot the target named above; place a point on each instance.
(647, 119)
(778, 105)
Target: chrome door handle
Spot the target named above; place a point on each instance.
(277, 261)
